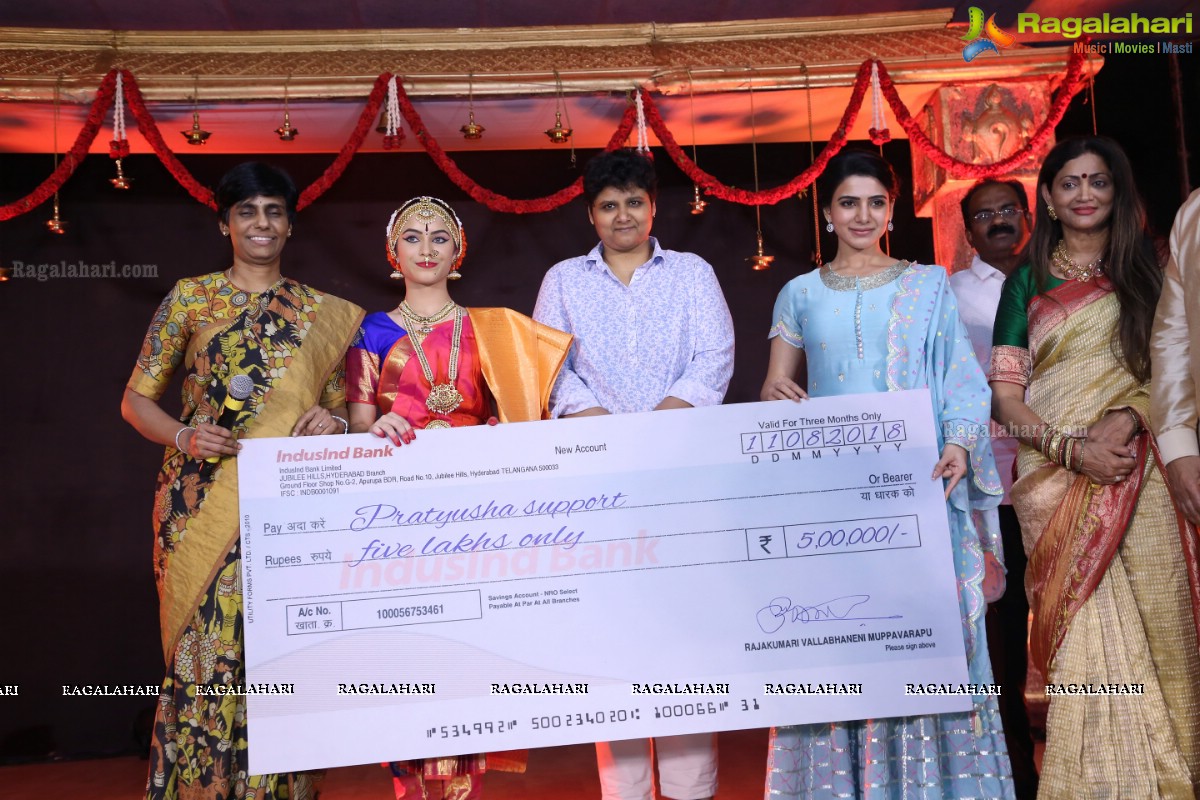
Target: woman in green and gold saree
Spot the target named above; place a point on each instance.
(289, 340)
(1113, 575)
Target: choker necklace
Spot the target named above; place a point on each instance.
(846, 283)
(443, 397)
(1072, 271)
(424, 324)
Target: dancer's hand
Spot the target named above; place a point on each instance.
(395, 427)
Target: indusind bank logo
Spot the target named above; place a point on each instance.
(982, 36)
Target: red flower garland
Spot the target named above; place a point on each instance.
(335, 170)
(494, 201)
(1070, 86)
(961, 169)
(149, 129)
(766, 197)
(73, 157)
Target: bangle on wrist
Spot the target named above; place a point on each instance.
(1052, 441)
(178, 432)
(345, 423)
(1043, 443)
(1137, 422)
(1064, 450)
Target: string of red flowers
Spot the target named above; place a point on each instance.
(1072, 83)
(151, 133)
(72, 158)
(335, 170)
(494, 201)
(181, 174)
(767, 196)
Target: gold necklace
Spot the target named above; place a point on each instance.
(424, 324)
(1072, 271)
(443, 397)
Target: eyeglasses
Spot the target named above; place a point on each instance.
(1012, 212)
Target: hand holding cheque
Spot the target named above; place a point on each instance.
(595, 579)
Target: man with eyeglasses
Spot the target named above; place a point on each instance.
(996, 215)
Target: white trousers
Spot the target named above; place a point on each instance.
(687, 767)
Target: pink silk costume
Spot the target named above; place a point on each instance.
(382, 370)
(522, 361)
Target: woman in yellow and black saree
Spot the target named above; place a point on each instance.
(1113, 575)
(289, 340)
(429, 364)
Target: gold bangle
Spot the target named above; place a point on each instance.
(1137, 421)
(1044, 441)
(1055, 447)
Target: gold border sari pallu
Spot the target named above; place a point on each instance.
(1085, 531)
(310, 336)
(520, 359)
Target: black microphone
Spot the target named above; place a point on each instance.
(241, 386)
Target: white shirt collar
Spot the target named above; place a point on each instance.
(595, 258)
(984, 270)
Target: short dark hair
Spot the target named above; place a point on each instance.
(983, 183)
(620, 169)
(852, 162)
(255, 179)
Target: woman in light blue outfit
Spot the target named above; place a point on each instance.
(866, 322)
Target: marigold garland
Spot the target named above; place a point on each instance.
(1072, 82)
